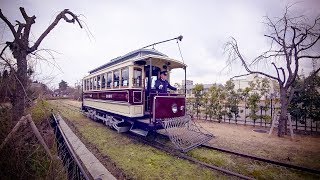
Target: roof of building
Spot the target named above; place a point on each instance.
(130, 55)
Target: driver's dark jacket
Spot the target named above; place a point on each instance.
(163, 85)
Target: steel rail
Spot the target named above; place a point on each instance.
(181, 155)
(301, 168)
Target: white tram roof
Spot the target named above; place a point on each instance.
(158, 59)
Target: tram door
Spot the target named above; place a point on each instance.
(150, 85)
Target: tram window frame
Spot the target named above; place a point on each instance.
(135, 77)
(109, 81)
(124, 77)
(116, 81)
(103, 80)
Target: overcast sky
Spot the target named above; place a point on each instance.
(114, 28)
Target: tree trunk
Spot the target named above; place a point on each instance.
(19, 98)
(283, 112)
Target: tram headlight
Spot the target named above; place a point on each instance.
(174, 108)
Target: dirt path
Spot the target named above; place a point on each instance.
(304, 150)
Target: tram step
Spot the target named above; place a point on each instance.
(140, 132)
(122, 127)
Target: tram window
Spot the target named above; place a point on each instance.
(88, 84)
(153, 82)
(95, 83)
(109, 79)
(137, 77)
(103, 81)
(116, 78)
(98, 81)
(91, 83)
(125, 77)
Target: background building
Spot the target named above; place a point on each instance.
(244, 82)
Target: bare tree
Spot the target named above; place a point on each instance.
(20, 48)
(293, 40)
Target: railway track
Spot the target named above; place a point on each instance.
(278, 163)
(174, 152)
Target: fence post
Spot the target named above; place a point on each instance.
(265, 115)
(235, 115)
(271, 109)
(22, 120)
(290, 126)
(260, 116)
(305, 122)
(311, 124)
(305, 118)
(224, 114)
(296, 122)
(38, 135)
(245, 114)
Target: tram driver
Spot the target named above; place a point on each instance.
(162, 84)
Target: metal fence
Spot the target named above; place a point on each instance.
(66, 153)
(299, 124)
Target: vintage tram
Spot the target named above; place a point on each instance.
(121, 94)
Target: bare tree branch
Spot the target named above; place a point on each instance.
(29, 22)
(20, 28)
(276, 68)
(61, 15)
(235, 49)
(240, 76)
(309, 57)
(13, 31)
(5, 47)
(276, 40)
(310, 45)
(284, 75)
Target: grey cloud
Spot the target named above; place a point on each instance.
(122, 26)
